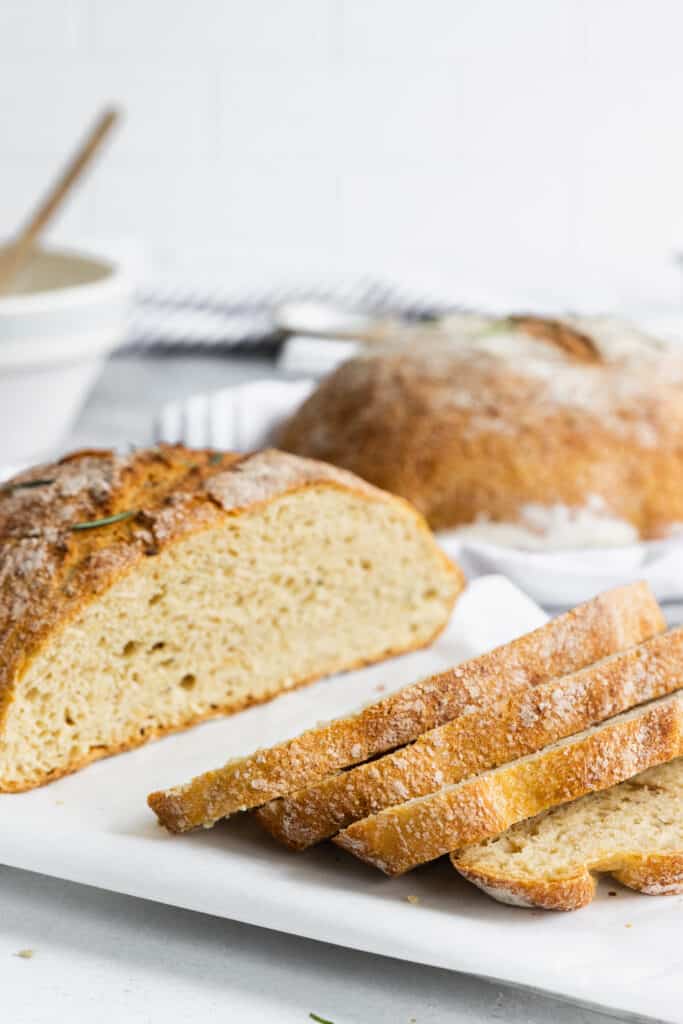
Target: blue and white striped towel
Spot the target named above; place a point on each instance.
(168, 317)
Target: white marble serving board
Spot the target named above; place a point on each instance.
(622, 954)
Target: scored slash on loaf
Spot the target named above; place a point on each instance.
(606, 624)
(481, 738)
(400, 838)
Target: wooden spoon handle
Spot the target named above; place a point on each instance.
(19, 250)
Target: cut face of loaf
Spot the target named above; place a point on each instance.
(219, 584)
(400, 838)
(633, 831)
(608, 623)
(480, 738)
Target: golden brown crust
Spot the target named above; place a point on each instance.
(482, 435)
(611, 621)
(479, 739)
(655, 874)
(569, 893)
(659, 874)
(50, 571)
(400, 838)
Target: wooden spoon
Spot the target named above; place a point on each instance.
(15, 255)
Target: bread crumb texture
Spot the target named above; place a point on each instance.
(633, 831)
(399, 838)
(608, 622)
(234, 580)
(481, 737)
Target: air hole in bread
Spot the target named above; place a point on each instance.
(188, 681)
(129, 649)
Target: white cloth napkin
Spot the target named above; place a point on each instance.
(245, 417)
(314, 357)
(239, 418)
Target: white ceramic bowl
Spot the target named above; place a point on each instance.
(66, 313)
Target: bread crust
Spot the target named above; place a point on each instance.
(479, 739)
(50, 572)
(400, 838)
(481, 434)
(655, 873)
(659, 874)
(570, 893)
(599, 627)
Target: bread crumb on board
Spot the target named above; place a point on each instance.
(25, 954)
(413, 899)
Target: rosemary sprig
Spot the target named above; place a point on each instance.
(216, 458)
(26, 485)
(499, 326)
(321, 1020)
(107, 521)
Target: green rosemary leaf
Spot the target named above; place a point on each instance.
(26, 485)
(216, 458)
(107, 521)
(321, 1020)
(500, 326)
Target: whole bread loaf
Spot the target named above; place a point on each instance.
(539, 431)
(140, 594)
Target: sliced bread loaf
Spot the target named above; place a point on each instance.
(608, 623)
(634, 831)
(480, 738)
(142, 594)
(400, 838)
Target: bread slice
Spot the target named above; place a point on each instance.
(142, 594)
(610, 622)
(633, 831)
(400, 838)
(480, 738)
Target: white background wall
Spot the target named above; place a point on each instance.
(510, 147)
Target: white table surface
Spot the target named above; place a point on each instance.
(111, 958)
